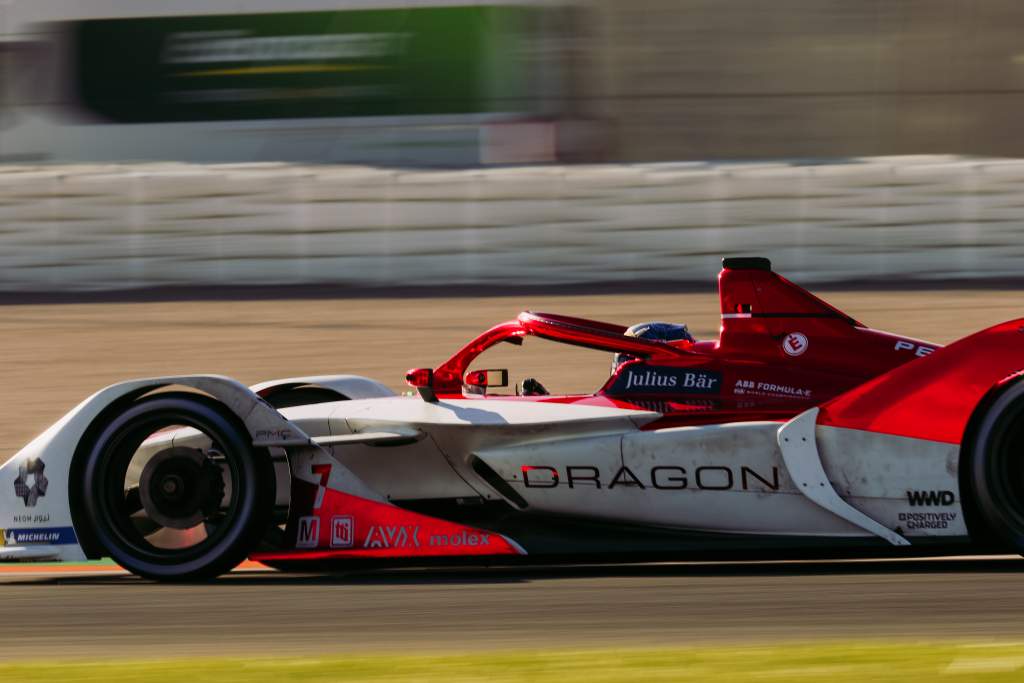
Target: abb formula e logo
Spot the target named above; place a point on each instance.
(750, 387)
(795, 343)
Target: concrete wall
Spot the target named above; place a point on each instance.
(80, 227)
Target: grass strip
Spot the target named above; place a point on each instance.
(832, 662)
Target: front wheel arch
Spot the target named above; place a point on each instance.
(87, 539)
(89, 536)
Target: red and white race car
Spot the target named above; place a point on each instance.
(797, 430)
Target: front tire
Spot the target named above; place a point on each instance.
(187, 510)
(997, 467)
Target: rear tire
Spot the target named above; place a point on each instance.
(218, 500)
(997, 467)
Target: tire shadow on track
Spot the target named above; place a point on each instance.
(528, 574)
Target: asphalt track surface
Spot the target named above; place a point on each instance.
(109, 614)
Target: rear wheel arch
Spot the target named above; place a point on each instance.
(986, 522)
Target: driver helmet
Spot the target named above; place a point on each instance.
(666, 332)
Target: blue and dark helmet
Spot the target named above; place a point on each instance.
(660, 331)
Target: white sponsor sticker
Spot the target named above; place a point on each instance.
(308, 535)
(342, 531)
(795, 343)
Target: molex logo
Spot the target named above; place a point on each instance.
(343, 531)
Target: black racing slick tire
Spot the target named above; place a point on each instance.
(996, 467)
(213, 502)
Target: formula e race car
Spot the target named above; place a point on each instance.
(797, 430)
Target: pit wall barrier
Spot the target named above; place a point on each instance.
(104, 227)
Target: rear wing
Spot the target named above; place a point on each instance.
(749, 289)
(763, 312)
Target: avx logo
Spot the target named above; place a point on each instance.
(392, 536)
(930, 497)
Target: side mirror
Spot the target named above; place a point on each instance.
(420, 377)
(423, 381)
(484, 379)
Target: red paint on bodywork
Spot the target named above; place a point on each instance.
(352, 526)
(933, 397)
(837, 345)
(862, 378)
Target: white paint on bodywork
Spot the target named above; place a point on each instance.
(463, 426)
(482, 412)
(409, 472)
(604, 453)
(875, 473)
(36, 553)
(798, 445)
(871, 473)
(456, 429)
(414, 470)
(313, 419)
(370, 438)
(750, 506)
(744, 449)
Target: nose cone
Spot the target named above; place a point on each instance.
(35, 516)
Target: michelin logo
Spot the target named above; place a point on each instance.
(63, 535)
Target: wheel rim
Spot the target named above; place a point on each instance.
(169, 504)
